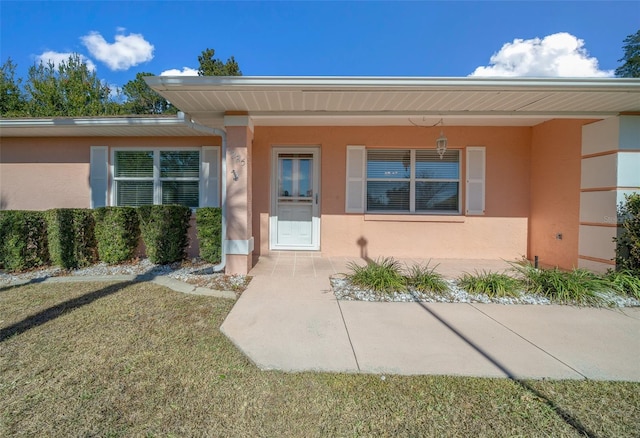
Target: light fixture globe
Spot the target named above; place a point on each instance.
(441, 144)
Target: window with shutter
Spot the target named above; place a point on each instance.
(412, 181)
(161, 176)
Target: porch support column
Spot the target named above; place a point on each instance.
(610, 163)
(239, 244)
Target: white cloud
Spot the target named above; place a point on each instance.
(127, 50)
(557, 55)
(57, 57)
(186, 71)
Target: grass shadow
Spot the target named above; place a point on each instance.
(567, 417)
(58, 310)
(25, 283)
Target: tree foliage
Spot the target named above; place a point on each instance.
(210, 66)
(70, 89)
(631, 58)
(12, 100)
(141, 99)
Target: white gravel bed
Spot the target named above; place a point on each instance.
(344, 290)
(195, 272)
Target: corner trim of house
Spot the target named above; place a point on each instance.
(597, 260)
(239, 247)
(238, 120)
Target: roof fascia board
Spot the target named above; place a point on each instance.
(165, 83)
(91, 122)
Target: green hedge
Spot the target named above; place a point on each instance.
(117, 233)
(164, 231)
(209, 226)
(628, 240)
(23, 240)
(71, 237)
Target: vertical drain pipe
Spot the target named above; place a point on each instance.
(223, 184)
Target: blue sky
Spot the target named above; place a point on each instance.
(365, 38)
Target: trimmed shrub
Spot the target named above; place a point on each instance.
(117, 233)
(628, 240)
(164, 231)
(71, 237)
(209, 227)
(23, 240)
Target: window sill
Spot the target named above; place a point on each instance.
(414, 218)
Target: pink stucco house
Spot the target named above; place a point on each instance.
(348, 165)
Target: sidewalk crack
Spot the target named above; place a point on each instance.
(355, 356)
(530, 342)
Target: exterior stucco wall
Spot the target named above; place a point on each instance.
(44, 173)
(501, 232)
(555, 192)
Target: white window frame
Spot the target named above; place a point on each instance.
(412, 184)
(156, 179)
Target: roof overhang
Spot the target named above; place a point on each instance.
(134, 126)
(272, 101)
(351, 101)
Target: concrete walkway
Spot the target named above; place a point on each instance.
(162, 280)
(293, 322)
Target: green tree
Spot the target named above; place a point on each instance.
(631, 58)
(210, 66)
(12, 100)
(141, 99)
(70, 89)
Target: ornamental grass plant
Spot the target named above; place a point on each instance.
(381, 275)
(491, 284)
(424, 278)
(578, 286)
(625, 282)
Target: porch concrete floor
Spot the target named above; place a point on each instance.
(289, 319)
(314, 264)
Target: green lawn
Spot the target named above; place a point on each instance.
(140, 360)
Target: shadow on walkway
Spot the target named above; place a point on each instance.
(566, 416)
(54, 312)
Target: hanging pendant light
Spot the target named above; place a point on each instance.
(441, 142)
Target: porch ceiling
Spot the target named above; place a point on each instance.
(397, 101)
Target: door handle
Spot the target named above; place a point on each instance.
(316, 198)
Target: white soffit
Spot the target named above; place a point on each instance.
(393, 101)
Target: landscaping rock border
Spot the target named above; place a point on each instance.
(344, 290)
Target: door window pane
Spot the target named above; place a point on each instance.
(305, 178)
(285, 185)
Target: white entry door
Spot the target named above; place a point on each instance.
(295, 218)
